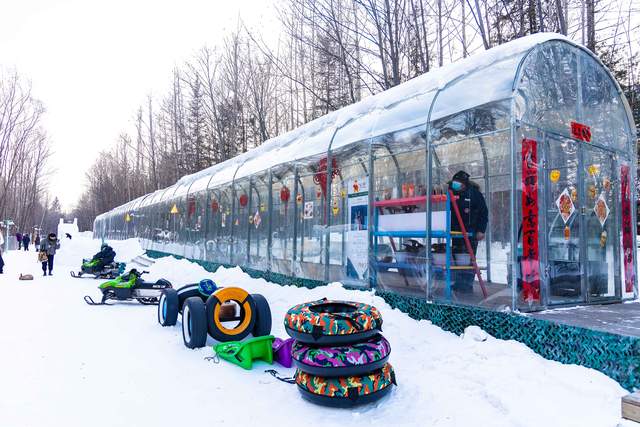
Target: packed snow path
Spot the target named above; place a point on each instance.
(64, 363)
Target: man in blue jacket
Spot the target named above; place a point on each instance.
(475, 216)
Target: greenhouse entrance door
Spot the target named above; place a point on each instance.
(582, 228)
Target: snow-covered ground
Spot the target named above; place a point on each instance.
(64, 363)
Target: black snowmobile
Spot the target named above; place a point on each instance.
(102, 265)
(130, 286)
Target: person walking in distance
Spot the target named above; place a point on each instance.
(25, 241)
(49, 246)
(19, 239)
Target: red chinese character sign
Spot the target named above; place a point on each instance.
(580, 131)
(627, 228)
(530, 250)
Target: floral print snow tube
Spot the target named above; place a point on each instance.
(345, 360)
(346, 391)
(326, 322)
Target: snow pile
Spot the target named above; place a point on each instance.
(70, 364)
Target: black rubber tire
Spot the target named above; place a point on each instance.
(263, 316)
(188, 291)
(194, 323)
(218, 334)
(168, 307)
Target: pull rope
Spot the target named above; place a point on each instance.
(276, 375)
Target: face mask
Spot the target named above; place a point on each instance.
(456, 185)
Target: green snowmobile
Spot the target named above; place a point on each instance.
(130, 286)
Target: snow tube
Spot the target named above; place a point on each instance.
(326, 322)
(215, 317)
(344, 361)
(348, 391)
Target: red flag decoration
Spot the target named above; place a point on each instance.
(530, 250)
(627, 228)
(320, 177)
(580, 131)
(191, 206)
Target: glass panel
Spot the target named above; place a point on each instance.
(481, 120)
(563, 206)
(259, 212)
(602, 108)
(601, 190)
(547, 95)
(224, 217)
(468, 221)
(311, 227)
(240, 222)
(349, 241)
(477, 88)
(282, 216)
(399, 220)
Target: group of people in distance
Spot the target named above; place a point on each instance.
(24, 239)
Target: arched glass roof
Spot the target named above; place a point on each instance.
(505, 72)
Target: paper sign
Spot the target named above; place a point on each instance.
(601, 209)
(308, 210)
(565, 205)
(358, 253)
(580, 131)
(530, 250)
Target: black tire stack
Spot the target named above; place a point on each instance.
(202, 315)
(340, 355)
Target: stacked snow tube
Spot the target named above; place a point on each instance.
(340, 355)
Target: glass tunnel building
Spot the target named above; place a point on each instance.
(361, 195)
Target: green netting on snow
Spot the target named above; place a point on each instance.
(615, 355)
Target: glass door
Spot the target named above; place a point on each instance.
(601, 227)
(563, 207)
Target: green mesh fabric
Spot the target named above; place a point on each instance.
(617, 356)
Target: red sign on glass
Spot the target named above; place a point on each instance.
(530, 250)
(580, 131)
(627, 229)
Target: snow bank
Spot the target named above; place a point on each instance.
(68, 364)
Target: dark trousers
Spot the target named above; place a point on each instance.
(26, 246)
(48, 263)
(1, 262)
(464, 278)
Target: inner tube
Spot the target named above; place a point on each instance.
(216, 315)
(343, 392)
(326, 322)
(346, 360)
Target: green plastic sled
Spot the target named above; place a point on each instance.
(243, 353)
